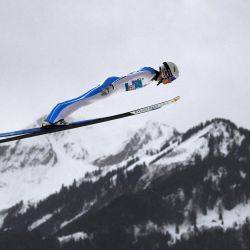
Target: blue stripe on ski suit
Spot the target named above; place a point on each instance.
(60, 106)
(110, 80)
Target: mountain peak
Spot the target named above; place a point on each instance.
(218, 136)
(147, 140)
(217, 126)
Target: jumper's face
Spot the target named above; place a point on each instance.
(166, 81)
(163, 80)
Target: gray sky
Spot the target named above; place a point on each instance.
(52, 50)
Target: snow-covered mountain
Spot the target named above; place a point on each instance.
(157, 187)
(34, 168)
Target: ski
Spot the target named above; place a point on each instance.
(32, 132)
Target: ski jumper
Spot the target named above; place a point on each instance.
(133, 81)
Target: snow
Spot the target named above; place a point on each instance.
(197, 144)
(65, 223)
(242, 174)
(3, 214)
(150, 227)
(33, 184)
(39, 222)
(104, 139)
(184, 152)
(238, 214)
(76, 237)
(85, 209)
(25, 176)
(159, 134)
(230, 217)
(34, 168)
(152, 138)
(228, 140)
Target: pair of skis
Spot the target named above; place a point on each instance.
(27, 133)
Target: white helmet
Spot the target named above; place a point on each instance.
(169, 71)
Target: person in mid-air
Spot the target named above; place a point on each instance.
(140, 78)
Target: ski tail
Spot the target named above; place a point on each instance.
(19, 132)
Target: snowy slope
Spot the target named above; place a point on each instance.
(145, 142)
(186, 151)
(34, 168)
(155, 181)
(231, 218)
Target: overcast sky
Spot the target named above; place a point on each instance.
(54, 50)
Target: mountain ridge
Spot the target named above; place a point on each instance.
(54, 160)
(190, 184)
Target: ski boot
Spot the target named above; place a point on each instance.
(47, 124)
(108, 89)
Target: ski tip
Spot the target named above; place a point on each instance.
(175, 99)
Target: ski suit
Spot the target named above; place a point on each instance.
(134, 80)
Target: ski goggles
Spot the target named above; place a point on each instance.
(166, 72)
(172, 78)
